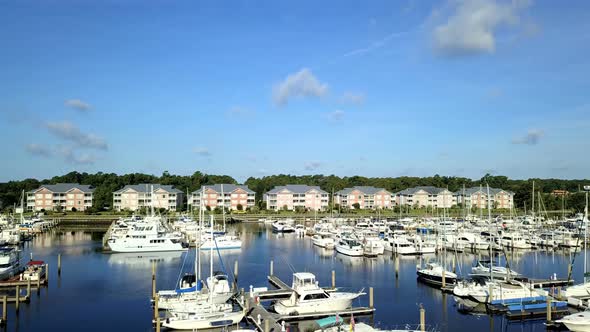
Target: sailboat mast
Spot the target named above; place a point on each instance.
(211, 264)
(222, 208)
(533, 204)
(490, 230)
(585, 221)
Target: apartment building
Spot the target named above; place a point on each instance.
(477, 197)
(426, 196)
(135, 197)
(366, 198)
(294, 196)
(229, 195)
(64, 196)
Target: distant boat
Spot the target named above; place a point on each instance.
(282, 227)
(350, 247)
(432, 274)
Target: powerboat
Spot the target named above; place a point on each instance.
(372, 247)
(282, 227)
(309, 298)
(432, 274)
(323, 241)
(350, 247)
(147, 237)
(222, 242)
(482, 269)
(578, 322)
(35, 271)
(9, 263)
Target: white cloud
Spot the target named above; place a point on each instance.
(353, 98)
(532, 137)
(39, 150)
(68, 154)
(375, 45)
(204, 152)
(472, 28)
(300, 84)
(337, 115)
(312, 165)
(78, 105)
(70, 132)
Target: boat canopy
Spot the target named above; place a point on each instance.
(30, 263)
(329, 321)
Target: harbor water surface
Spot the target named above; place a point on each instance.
(101, 292)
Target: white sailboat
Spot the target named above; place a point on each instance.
(583, 289)
(204, 315)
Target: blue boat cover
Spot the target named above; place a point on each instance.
(198, 287)
(329, 321)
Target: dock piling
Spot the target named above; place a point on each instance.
(444, 279)
(266, 325)
(31, 255)
(422, 319)
(4, 313)
(454, 265)
(17, 298)
(371, 297)
(333, 279)
(156, 309)
(29, 288)
(271, 268)
(46, 274)
(396, 266)
(158, 324)
(548, 309)
(153, 280)
(58, 264)
(236, 275)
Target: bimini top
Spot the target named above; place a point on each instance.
(31, 263)
(6, 249)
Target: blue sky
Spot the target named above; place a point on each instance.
(378, 88)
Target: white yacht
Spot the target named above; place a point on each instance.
(514, 241)
(349, 247)
(485, 268)
(309, 298)
(578, 322)
(9, 263)
(147, 237)
(402, 246)
(503, 291)
(372, 246)
(432, 274)
(221, 242)
(282, 227)
(323, 241)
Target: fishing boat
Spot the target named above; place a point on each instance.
(34, 271)
(432, 274)
(309, 298)
(349, 247)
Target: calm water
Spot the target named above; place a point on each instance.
(99, 292)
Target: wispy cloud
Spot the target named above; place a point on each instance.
(472, 26)
(78, 105)
(376, 44)
(312, 165)
(39, 150)
(336, 115)
(239, 111)
(532, 137)
(353, 98)
(298, 85)
(70, 132)
(201, 151)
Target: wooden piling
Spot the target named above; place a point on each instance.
(444, 279)
(58, 264)
(46, 274)
(29, 288)
(490, 293)
(396, 266)
(267, 324)
(156, 309)
(454, 265)
(153, 280)
(236, 275)
(17, 298)
(422, 319)
(4, 313)
(548, 309)
(158, 324)
(333, 279)
(271, 268)
(371, 297)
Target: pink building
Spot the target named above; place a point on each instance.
(293, 196)
(230, 195)
(365, 197)
(65, 196)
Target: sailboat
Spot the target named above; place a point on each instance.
(221, 242)
(582, 289)
(204, 314)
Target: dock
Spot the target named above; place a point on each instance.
(546, 283)
(266, 321)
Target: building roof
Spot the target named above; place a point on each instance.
(364, 189)
(65, 187)
(296, 189)
(227, 188)
(145, 188)
(483, 190)
(429, 189)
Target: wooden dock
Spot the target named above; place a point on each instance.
(546, 283)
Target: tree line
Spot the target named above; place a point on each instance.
(106, 183)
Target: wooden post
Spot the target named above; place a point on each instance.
(271, 268)
(266, 325)
(156, 309)
(235, 275)
(158, 324)
(333, 279)
(422, 319)
(491, 294)
(58, 264)
(4, 313)
(153, 280)
(454, 270)
(17, 298)
(46, 274)
(548, 309)
(29, 288)
(444, 278)
(371, 297)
